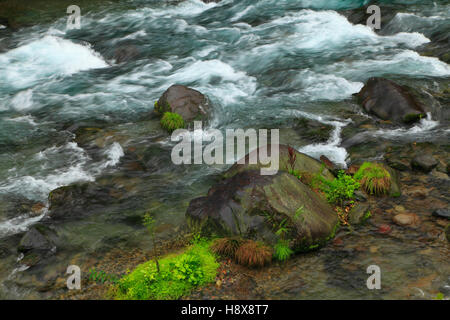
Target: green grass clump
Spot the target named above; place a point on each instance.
(178, 275)
(339, 189)
(282, 252)
(172, 121)
(374, 178)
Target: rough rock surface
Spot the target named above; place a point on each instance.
(189, 103)
(254, 206)
(390, 101)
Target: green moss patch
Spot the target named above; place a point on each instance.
(172, 121)
(178, 276)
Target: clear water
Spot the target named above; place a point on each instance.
(261, 63)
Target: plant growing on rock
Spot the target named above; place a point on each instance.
(340, 189)
(291, 163)
(226, 247)
(253, 254)
(374, 178)
(282, 252)
(172, 121)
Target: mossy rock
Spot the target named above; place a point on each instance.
(359, 213)
(190, 104)
(254, 206)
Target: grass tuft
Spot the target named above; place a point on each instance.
(253, 254)
(172, 121)
(374, 178)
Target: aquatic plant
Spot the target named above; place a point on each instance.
(253, 254)
(178, 276)
(172, 121)
(226, 247)
(374, 178)
(282, 252)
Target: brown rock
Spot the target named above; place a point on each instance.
(406, 219)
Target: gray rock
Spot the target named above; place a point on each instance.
(424, 162)
(390, 101)
(38, 239)
(442, 213)
(359, 213)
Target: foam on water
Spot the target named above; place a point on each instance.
(45, 58)
(23, 100)
(233, 84)
(114, 153)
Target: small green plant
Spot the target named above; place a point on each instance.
(374, 178)
(149, 223)
(439, 296)
(282, 252)
(290, 167)
(101, 276)
(178, 276)
(339, 189)
(172, 121)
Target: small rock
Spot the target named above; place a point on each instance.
(442, 213)
(360, 196)
(424, 162)
(399, 209)
(406, 219)
(37, 209)
(384, 228)
(359, 213)
(219, 283)
(352, 169)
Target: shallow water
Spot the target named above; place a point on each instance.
(262, 64)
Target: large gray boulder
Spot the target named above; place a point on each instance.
(254, 206)
(390, 101)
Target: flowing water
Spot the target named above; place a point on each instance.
(261, 63)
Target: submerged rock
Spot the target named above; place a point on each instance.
(442, 213)
(255, 206)
(406, 219)
(424, 162)
(38, 238)
(359, 213)
(78, 200)
(189, 103)
(390, 101)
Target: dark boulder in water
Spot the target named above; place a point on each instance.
(254, 206)
(189, 103)
(424, 162)
(78, 200)
(390, 101)
(39, 239)
(126, 53)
